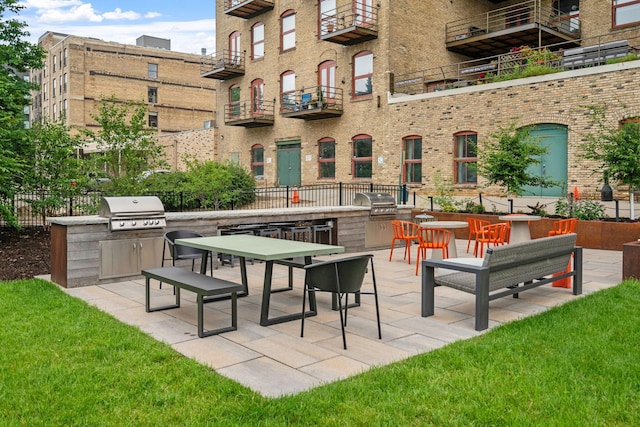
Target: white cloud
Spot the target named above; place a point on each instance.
(119, 14)
(83, 12)
(151, 15)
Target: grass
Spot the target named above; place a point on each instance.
(64, 362)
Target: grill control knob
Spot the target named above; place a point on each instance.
(121, 223)
(146, 222)
(133, 223)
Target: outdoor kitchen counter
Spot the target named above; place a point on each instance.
(80, 244)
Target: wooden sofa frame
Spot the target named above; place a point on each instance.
(505, 270)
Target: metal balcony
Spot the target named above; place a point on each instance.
(347, 26)
(222, 67)
(314, 103)
(247, 9)
(523, 24)
(249, 115)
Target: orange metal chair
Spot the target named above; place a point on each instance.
(475, 225)
(432, 238)
(564, 226)
(493, 234)
(406, 231)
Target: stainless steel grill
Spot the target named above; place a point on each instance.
(133, 213)
(380, 203)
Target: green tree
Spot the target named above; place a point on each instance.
(56, 172)
(125, 145)
(218, 185)
(16, 56)
(506, 158)
(615, 147)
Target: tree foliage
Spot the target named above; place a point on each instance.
(56, 173)
(16, 56)
(218, 185)
(125, 146)
(614, 147)
(506, 158)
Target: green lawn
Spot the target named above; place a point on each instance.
(63, 362)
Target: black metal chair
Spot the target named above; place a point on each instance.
(342, 276)
(181, 252)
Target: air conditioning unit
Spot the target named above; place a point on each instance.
(207, 124)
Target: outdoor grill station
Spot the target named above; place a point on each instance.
(126, 236)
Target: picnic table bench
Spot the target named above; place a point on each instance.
(202, 285)
(505, 270)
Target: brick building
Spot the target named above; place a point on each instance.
(80, 71)
(387, 92)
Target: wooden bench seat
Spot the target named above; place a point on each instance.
(505, 270)
(202, 285)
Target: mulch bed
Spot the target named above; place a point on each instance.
(24, 253)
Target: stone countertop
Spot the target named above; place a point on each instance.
(96, 219)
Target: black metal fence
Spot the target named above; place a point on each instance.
(340, 194)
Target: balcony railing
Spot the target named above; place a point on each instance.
(519, 63)
(312, 103)
(350, 24)
(249, 114)
(222, 66)
(527, 23)
(247, 8)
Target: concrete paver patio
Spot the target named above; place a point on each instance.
(275, 360)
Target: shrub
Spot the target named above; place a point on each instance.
(581, 209)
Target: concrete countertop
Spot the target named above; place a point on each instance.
(96, 219)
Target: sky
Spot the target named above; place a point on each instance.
(189, 24)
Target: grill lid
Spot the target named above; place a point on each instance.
(133, 213)
(380, 203)
(131, 206)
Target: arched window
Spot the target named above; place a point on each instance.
(257, 96)
(257, 41)
(234, 102)
(327, 79)
(287, 30)
(234, 48)
(257, 161)
(465, 157)
(362, 74)
(326, 158)
(288, 90)
(362, 158)
(412, 165)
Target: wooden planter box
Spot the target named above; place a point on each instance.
(608, 235)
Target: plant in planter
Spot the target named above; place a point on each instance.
(615, 145)
(581, 209)
(505, 159)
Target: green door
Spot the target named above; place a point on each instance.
(553, 165)
(289, 164)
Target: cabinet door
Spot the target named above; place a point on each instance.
(150, 250)
(118, 258)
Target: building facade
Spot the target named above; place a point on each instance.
(403, 92)
(80, 71)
